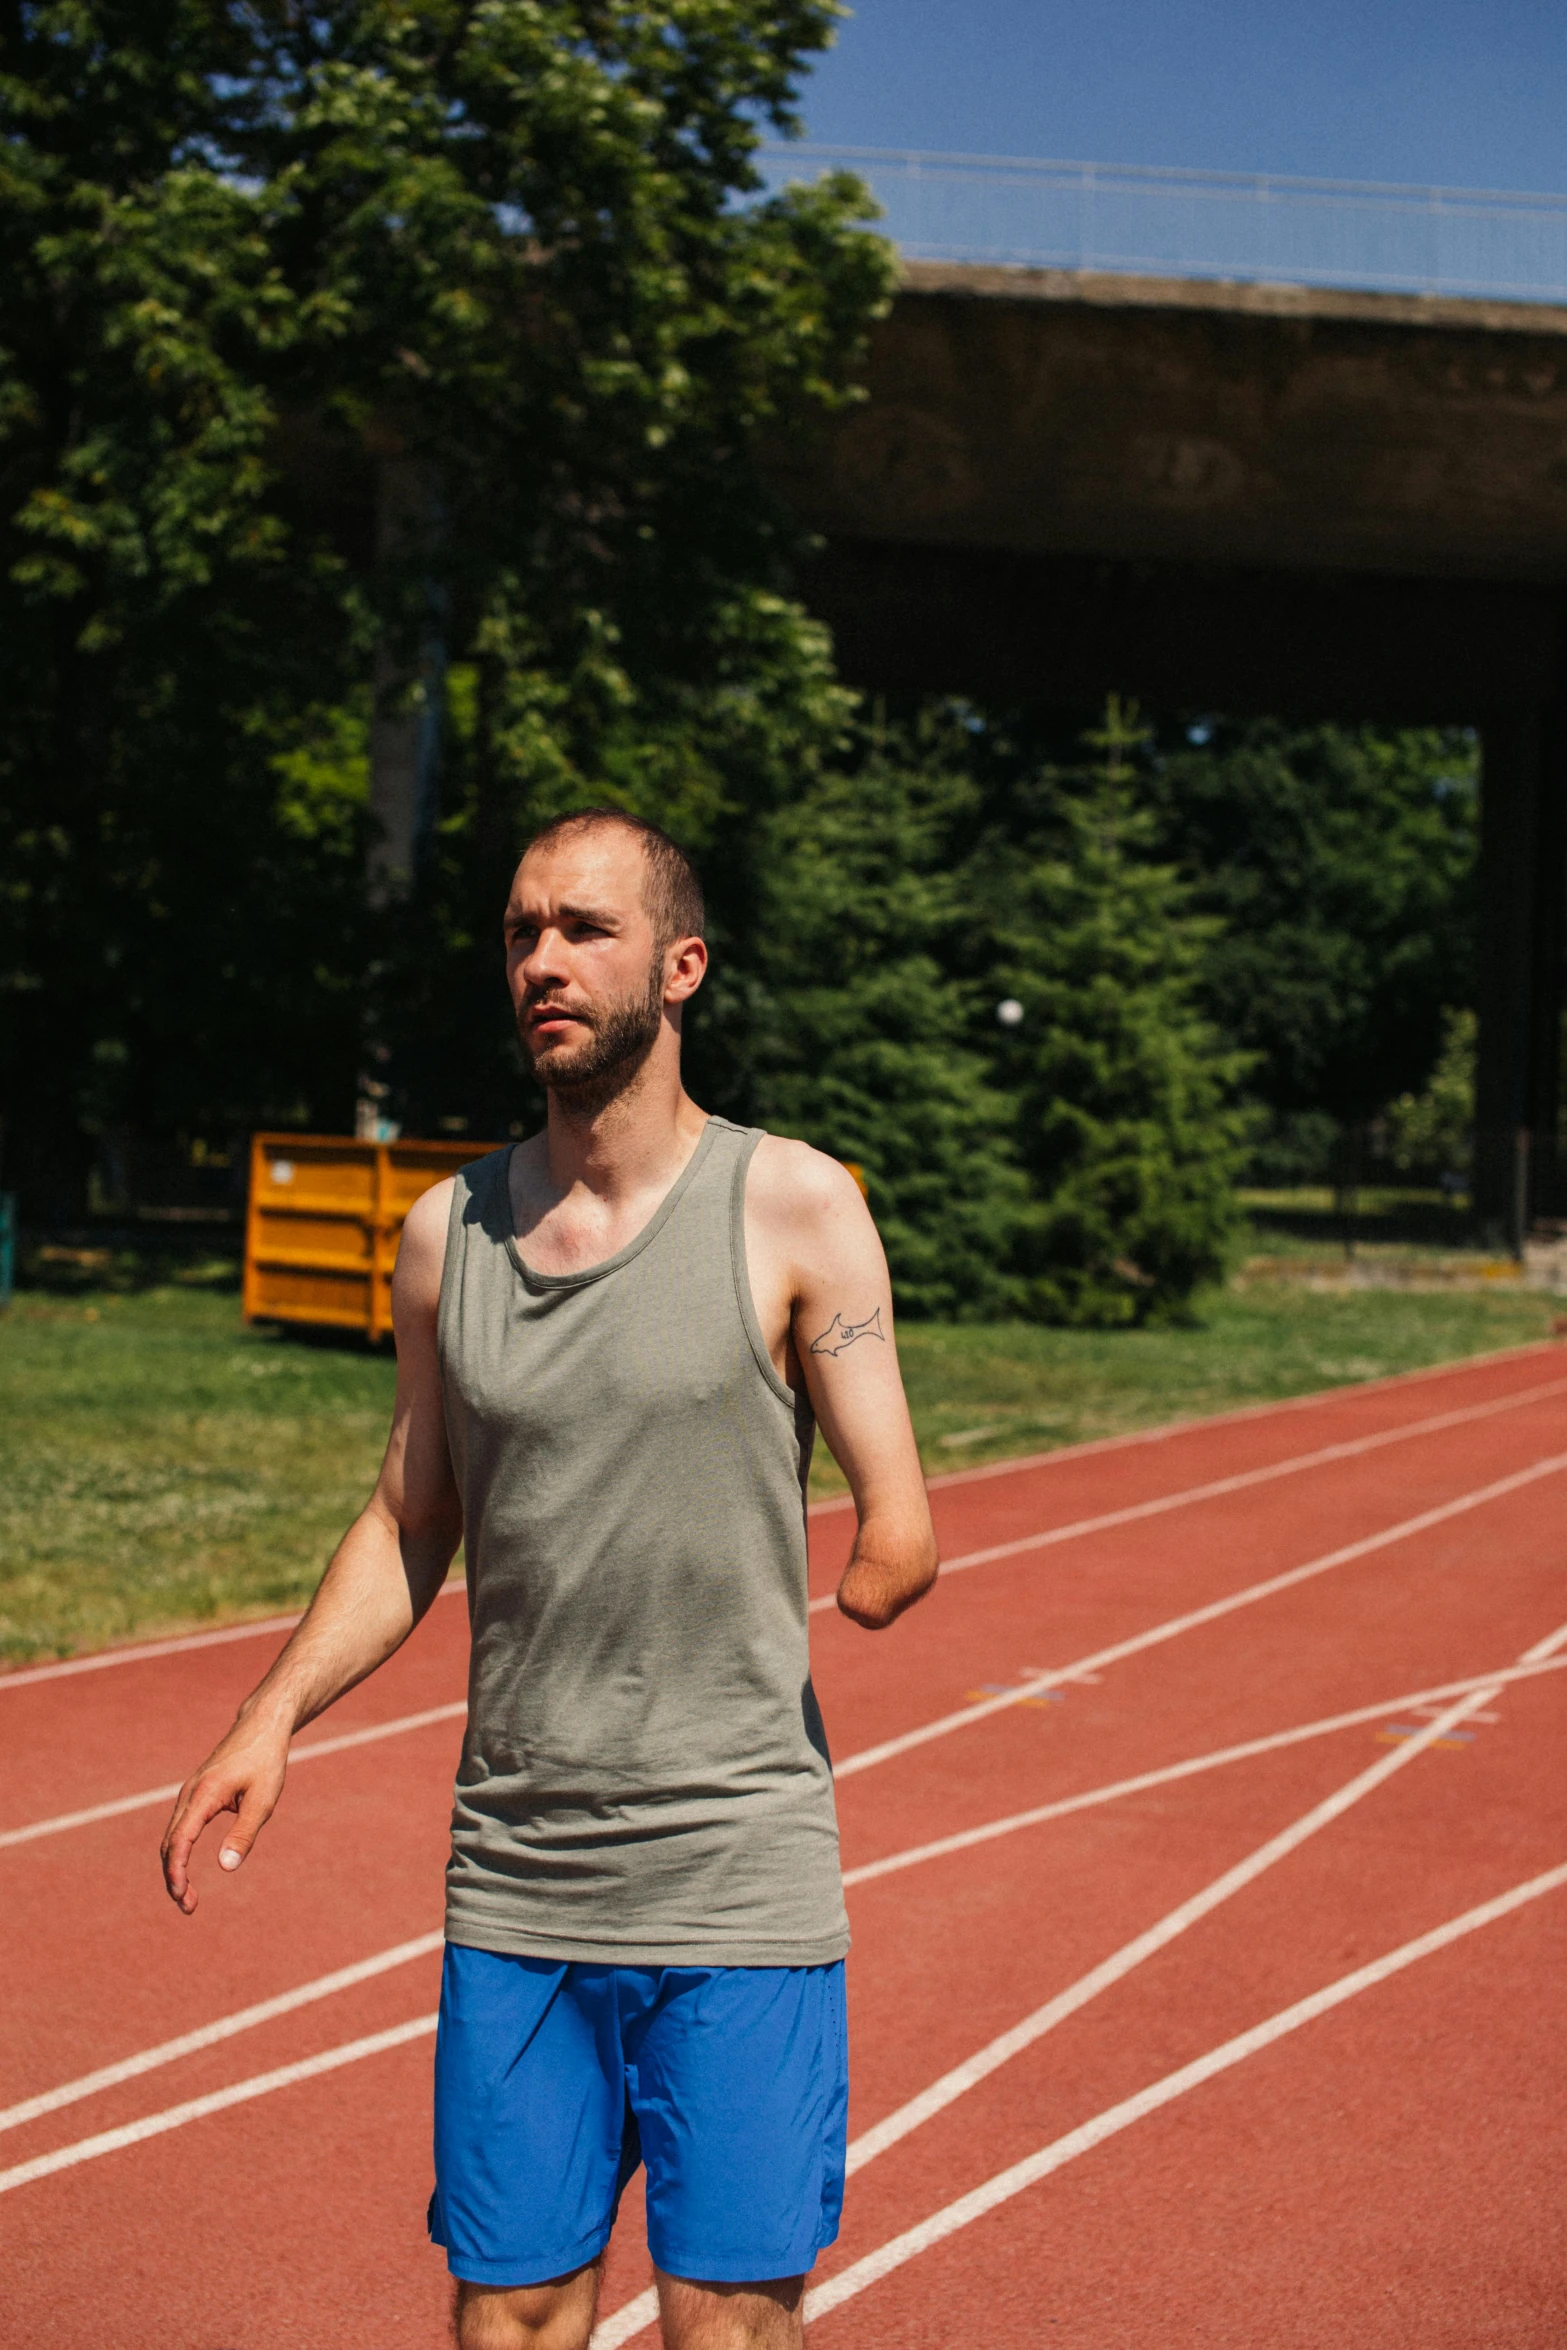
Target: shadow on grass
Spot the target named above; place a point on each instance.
(82, 1264)
(77, 1262)
(1389, 1219)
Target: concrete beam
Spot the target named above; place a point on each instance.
(1265, 428)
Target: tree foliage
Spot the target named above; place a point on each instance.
(863, 1022)
(1341, 865)
(252, 252)
(1127, 1121)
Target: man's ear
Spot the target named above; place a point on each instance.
(685, 968)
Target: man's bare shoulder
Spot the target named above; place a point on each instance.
(421, 1253)
(794, 1186)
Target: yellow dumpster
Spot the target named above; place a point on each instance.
(323, 1224)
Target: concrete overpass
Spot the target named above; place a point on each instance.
(1241, 498)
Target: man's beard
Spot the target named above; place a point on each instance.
(618, 1040)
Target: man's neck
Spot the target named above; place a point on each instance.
(636, 1142)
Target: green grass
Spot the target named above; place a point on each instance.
(982, 1393)
(161, 1466)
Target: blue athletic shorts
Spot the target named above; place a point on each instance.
(553, 2082)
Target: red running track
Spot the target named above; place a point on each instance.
(1067, 2126)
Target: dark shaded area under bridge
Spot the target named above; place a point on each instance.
(1252, 499)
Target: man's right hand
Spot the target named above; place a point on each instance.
(243, 1774)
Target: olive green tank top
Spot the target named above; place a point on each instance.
(645, 1778)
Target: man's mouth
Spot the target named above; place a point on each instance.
(551, 1020)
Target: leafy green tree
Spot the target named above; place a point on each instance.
(165, 956)
(1432, 1132)
(1127, 1121)
(1341, 865)
(860, 1024)
(250, 254)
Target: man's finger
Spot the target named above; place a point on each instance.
(199, 1804)
(255, 1809)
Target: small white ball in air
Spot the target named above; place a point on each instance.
(1009, 1011)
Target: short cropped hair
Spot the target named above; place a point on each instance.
(671, 892)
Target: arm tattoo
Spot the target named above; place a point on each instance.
(839, 1333)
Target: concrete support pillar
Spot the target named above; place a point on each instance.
(1523, 883)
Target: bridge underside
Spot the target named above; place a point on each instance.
(1254, 500)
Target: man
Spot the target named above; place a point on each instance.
(613, 1342)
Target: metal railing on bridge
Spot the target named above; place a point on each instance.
(1213, 224)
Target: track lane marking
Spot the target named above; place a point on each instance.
(1035, 1687)
(623, 2324)
(1240, 1482)
(195, 2109)
(913, 1855)
(148, 1796)
(1154, 1938)
(617, 2328)
(1165, 1430)
(1000, 2189)
(344, 1978)
(1173, 1626)
(244, 2019)
(945, 1723)
(143, 1651)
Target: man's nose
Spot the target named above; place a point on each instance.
(543, 960)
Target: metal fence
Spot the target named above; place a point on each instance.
(1204, 223)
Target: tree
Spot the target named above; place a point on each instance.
(861, 1024)
(1127, 1124)
(1341, 864)
(251, 253)
(1431, 1133)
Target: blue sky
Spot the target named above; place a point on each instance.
(1469, 93)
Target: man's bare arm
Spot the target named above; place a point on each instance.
(843, 1338)
(383, 1576)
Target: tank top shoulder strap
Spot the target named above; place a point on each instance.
(739, 1144)
(481, 1201)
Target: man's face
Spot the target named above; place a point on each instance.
(586, 977)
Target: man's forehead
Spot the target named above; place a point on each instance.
(602, 870)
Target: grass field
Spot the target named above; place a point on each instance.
(162, 1466)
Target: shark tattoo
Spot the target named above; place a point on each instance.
(839, 1333)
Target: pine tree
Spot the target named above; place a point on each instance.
(862, 1031)
(1126, 1121)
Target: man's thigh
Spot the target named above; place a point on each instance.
(738, 2079)
(531, 2138)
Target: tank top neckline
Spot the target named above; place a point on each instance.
(650, 1231)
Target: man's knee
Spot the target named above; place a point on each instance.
(763, 2316)
(556, 2316)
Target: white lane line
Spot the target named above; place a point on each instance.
(913, 1855)
(1131, 1955)
(195, 2109)
(141, 1651)
(631, 2318)
(875, 1754)
(1240, 1482)
(298, 1754)
(622, 2323)
(1314, 1400)
(1034, 2167)
(1175, 1625)
(244, 2019)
